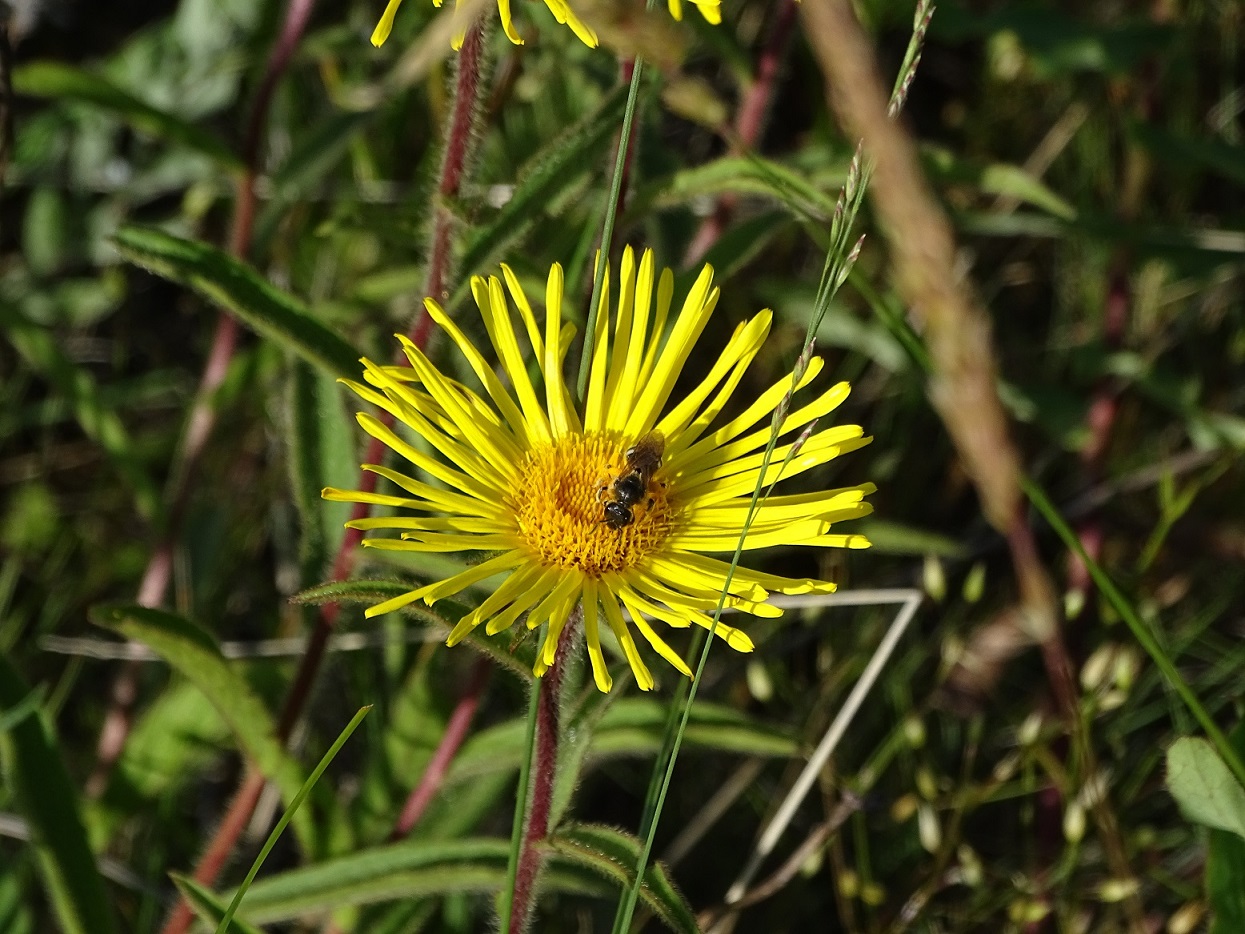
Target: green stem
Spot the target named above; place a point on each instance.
(1140, 632)
(607, 229)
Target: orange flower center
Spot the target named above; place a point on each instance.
(561, 501)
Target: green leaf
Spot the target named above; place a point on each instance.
(578, 733)
(16, 713)
(635, 726)
(395, 871)
(172, 741)
(208, 906)
(223, 280)
(742, 242)
(98, 420)
(64, 82)
(405, 870)
(1206, 790)
(1225, 870)
(614, 854)
(542, 177)
(743, 175)
(49, 801)
(1225, 867)
(194, 654)
(999, 178)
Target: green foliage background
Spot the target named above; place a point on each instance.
(1091, 158)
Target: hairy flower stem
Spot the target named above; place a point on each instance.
(460, 144)
(543, 771)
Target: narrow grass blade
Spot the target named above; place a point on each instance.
(1143, 635)
(290, 811)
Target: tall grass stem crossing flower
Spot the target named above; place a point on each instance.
(619, 504)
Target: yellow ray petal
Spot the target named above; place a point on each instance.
(637, 606)
(620, 395)
(438, 542)
(514, 585)
(565, 15)
(592, 636)
(515, 288)
(643, 677)
(484, 372)
(665, 295)
(716, 449)
(490, 507)
(560, 420)
(693, 317)
(495, 312)
(385, 26)
(507, 22)
(430, 465)
(739, 352)
(557, 622)
(494, 447)
(771, 582)
(538, 591)
(431, 593)
(596, 405)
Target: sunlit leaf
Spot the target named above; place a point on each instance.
(1204, 787)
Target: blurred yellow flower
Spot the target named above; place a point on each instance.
(561, 10)
(615, 505)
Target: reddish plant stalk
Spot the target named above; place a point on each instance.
(459, 148)
(455, 734)
(1100, 419)
(544, 773)
(750, 121)
(201, 420)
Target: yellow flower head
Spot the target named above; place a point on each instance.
(615, 505)
(561, 10)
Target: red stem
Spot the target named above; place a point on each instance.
(458, 150)
(455, 734)
(201, 420)
(750, 121)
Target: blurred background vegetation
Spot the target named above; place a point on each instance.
(1090, 157)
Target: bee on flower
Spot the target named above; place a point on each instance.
(518, 469)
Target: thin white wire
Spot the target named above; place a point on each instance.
(911, 599)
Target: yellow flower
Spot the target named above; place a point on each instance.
(561, 10)
(525, 475)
